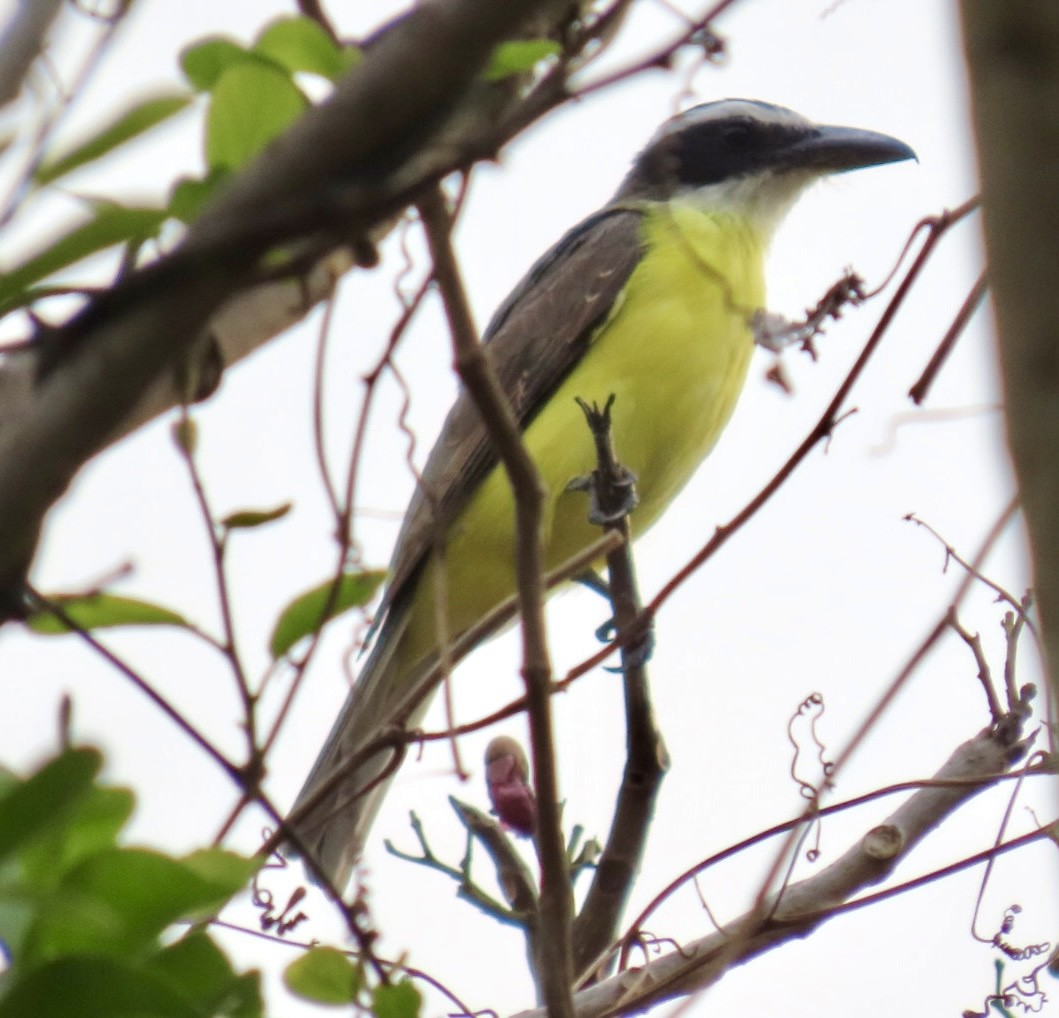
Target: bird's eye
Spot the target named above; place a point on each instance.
(738, 135)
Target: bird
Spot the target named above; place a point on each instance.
(648, 302)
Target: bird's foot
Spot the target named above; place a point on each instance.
(612, 486)
(634, 654)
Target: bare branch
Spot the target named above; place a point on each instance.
(22, 42)
(1013, 59)
(918, 392)
(807, 904)
(553, 963)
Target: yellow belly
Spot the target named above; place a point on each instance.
(675, 354)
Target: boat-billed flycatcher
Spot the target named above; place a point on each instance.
(650, 299)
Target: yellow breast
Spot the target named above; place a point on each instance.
(675, 353)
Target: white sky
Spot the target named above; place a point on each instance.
(827, 590)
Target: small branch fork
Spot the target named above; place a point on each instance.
(799, 908)
(612, 493)
(795, 910)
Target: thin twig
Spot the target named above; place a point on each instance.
(218, 547)
(139, 682)
(1002, 594)
(646, 758)
(919, 391)
(985, 675)
(553, 964)
(1001, 831)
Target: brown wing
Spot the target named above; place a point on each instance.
(534, 340)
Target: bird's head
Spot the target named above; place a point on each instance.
(751, 158)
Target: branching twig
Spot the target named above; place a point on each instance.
(985, 675)
(810, 902)
(1021, 608)
(469, 891)
(513, 875)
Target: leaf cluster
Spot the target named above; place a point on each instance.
(325, 975)
(251, 94)
(86, 923)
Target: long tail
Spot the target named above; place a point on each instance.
(333, 824)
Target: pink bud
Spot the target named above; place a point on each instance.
(507, 779)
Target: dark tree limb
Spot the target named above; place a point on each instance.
(1013, 58)
(420, 111)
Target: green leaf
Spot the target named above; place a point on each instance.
(118, 901)
(305, 614)
(109, 225)
(89, 987)
(94, 825)
(300, 44)
(202, 971)
(101, 611)
(516, 57)
(46, 799)
(323, 975)
(400, 1000)
(252, 103)
(246, 519)
(225, 871)
(35, 816)
(130, 124)
(189, 195)
(204, 63)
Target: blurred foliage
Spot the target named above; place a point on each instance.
(251, 94)
(87, 925)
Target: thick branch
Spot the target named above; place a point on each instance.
(1013, 57)
(414, 105)
(22, 42)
